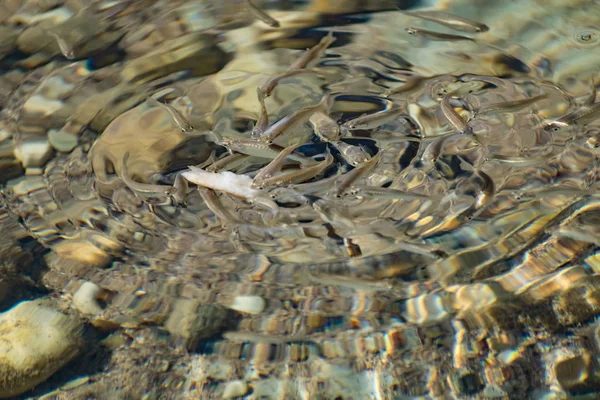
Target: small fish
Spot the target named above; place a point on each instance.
(353, 155)
(263, 16)
(509, 106)
(527, 195)
(298, 117)
(263, 119)
(287, 195)
(318, 186)
(301, 175)
(66, 49)
(421, 249)
(179, 119)
(146, 191)
(260, 338)
(582, 114)
(226, 163)
(451, 21)
(259, 148)
(268, 87)
(520, 161)
(333, 213)
(389, 193)
(324, 127)
(494, 80)
(266, 203)
(433, 150)
(313, 53)
(213, 203)
(484, 196)
(373, 120)
(350, 177)
(351, 282)
(273, 167)
(487, 192)
(459, 88)
(411, 82)
(180, 189)
(437, 36)
(453, 118)
(593, 142)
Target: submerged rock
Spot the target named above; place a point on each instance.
(35, 342)
(194, 321)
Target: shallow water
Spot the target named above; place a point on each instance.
(433, 234)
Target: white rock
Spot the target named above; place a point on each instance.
(85, 299)
(248, 304)
(235, 389)
(35, 341)
(33, 153)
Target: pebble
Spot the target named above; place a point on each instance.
(35, 342)
(575, 373)
(235, 389)
(61, 140)
(86, 299)
(248, 304)
(193, 320)
(33, 153)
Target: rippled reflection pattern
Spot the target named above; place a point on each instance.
(305, 200)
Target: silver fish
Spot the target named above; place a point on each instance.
(180, 189)
(287, 194)
(179, 119)
(298, 117)
(433, 150)
(268, 87)
(273, 167)
(373, 120)
(259, 148)
(263, 16)
(520, 161)
(389, 193)
(583, 114)
(225, 163)
(213, 203)
(157, 194)
(318, 186)
(300, 175)
(509, 106)
(313, 53)
(324, 127)
(411, 82)
(451, 21)
(523, 161)
(334, 213)
(487, 192)
(484, 196)
(453, 118)
(436, 36)
(265, 338)
(350, 177)
(66, 49)
(353, 155)
(263, 119)
(350, 282)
